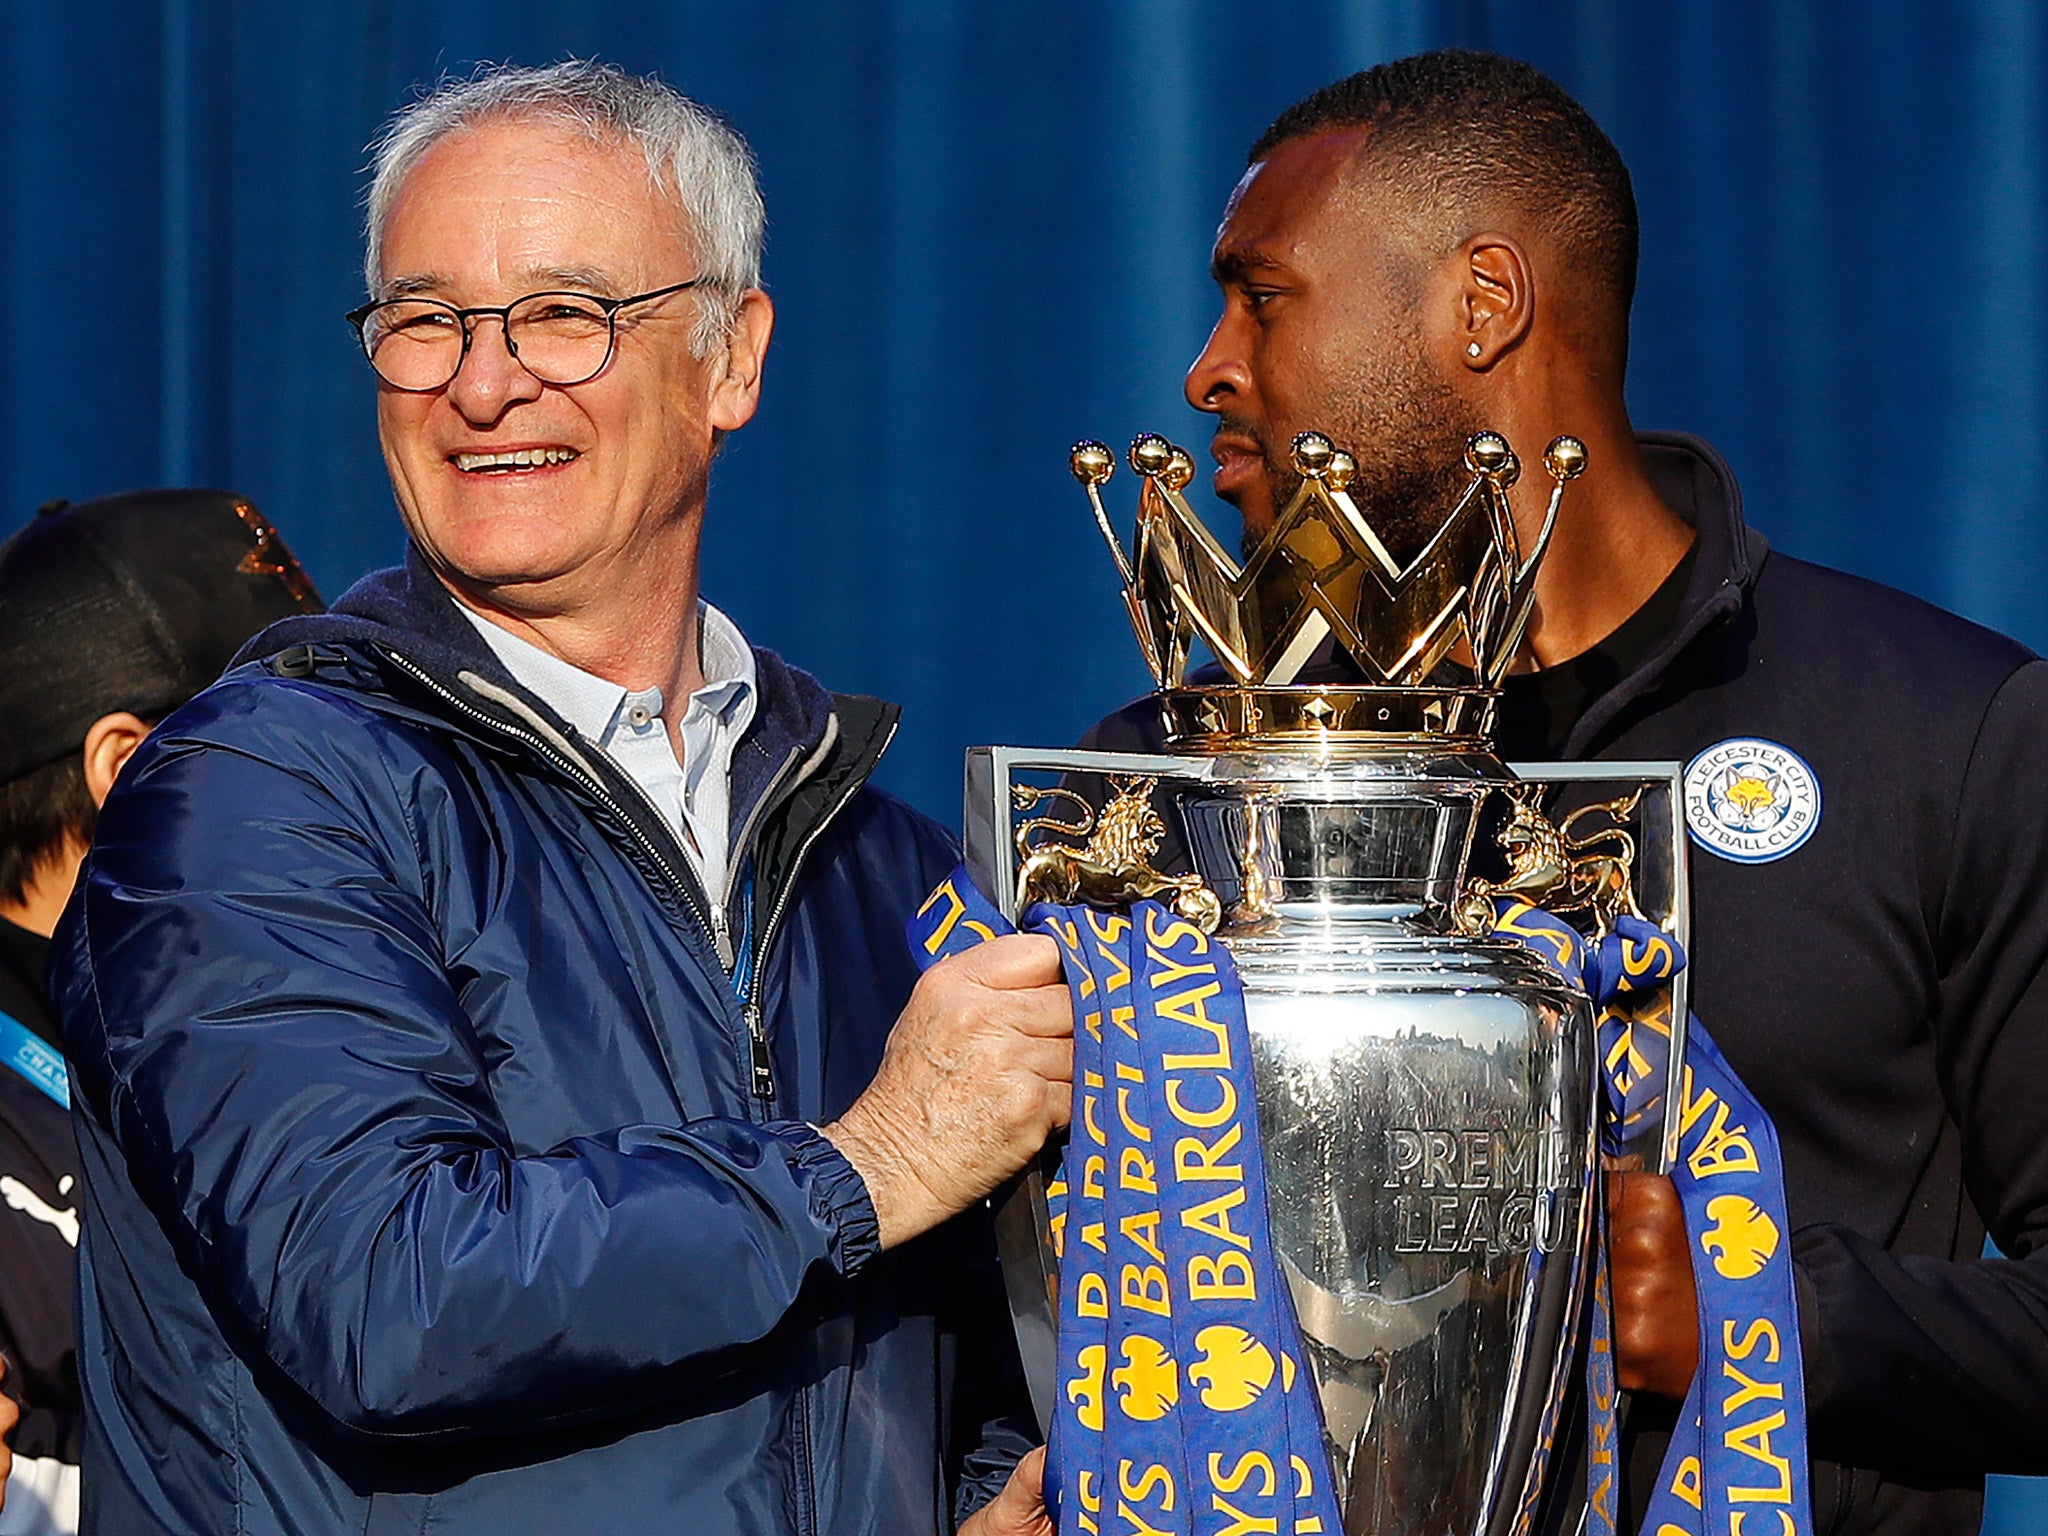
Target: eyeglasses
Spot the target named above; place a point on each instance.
(560, 338)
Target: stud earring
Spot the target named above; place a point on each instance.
(1473, 350)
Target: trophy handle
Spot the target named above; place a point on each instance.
(987, 834)
(1031, 1276)
(1030, 1273)
(1663, 889)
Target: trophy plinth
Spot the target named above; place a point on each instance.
(1425, 1087)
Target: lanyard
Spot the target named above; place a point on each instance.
(35, 1059)
(743, 946)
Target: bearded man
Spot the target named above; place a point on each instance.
(1448, 243)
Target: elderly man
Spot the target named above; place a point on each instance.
(503, 1097)
(1446, 243)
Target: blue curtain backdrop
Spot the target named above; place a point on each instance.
(988, 231)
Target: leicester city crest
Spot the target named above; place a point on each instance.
(1751, 800)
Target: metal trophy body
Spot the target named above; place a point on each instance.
(1426, 1088)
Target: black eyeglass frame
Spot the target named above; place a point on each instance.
(467, 318)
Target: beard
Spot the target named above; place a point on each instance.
(1405, 426)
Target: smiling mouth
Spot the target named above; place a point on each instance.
(518, 461)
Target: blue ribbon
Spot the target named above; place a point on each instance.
(35, 1059)
(1181, 1405)
(1737, 1462)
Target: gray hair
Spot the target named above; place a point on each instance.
(691, 154)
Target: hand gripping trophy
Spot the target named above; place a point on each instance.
(1426, 1088)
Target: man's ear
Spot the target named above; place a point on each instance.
(1496, 299)
(735, 396)
(110, 742)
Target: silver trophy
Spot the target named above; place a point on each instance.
(1427, 1089)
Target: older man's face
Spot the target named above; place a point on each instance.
(1323, 328)
(492, 214)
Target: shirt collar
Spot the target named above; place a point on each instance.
(731, 680)
(593, 705)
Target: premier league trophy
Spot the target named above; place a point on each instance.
(1426, 1087)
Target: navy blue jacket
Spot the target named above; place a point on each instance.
(431, 1184)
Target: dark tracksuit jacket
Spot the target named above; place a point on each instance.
(439, 1177)
(1880, 989)
(39, 1201)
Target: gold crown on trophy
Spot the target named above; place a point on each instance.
(1322, 574)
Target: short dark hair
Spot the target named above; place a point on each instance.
(1475, 130)
(39, 812)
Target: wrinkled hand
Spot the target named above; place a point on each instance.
(1656, 1310)
(1019, 1510)
(10, 1415)
(977, 1073)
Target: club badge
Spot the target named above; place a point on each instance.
(1751, 800)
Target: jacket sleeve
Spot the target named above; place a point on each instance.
(258, 1012)
(1919, 1363)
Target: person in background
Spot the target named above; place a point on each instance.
(112, 614)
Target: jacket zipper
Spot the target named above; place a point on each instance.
(759, 1067)
(721, 933)
(800, 1417)
(760, 1060)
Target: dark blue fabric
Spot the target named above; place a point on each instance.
(424, 1182)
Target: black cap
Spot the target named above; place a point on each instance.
(132, 602)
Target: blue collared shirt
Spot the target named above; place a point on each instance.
(694, 795)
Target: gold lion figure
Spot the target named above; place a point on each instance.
(1558, 869)
(1113, 868)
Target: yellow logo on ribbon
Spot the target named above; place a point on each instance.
(1085, 1390)
(1742, 1239)
(1148, 1380)
(1235, 1367)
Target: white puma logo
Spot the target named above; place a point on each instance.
(27, 1201)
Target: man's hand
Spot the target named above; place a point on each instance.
(977, 1073)
(1019, 1510)
(10, 1416)
(1656, 1311)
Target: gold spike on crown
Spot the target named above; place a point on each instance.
(1323, 575)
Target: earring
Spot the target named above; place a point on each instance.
(1474, 349)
